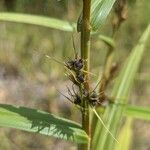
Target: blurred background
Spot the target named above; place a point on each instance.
(29, 78)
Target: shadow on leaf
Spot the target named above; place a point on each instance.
(38, 121)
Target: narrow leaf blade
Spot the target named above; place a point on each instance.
(121, 91)
(125, 136)
(109, 41)
(138, 112)
(38, 20)
(33, 120)
(100, 9)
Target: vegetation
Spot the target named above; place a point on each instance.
(101, 124)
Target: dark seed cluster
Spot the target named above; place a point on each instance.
(75, 72)
(76, 75)
(96, 99)
(78, 78)
(76, 66)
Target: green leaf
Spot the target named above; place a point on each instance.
(100, 9)
(121, 91)
(125, 136)
(138, 112)
(38, 20)
(109, 41)
(33, 120)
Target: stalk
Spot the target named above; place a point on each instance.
(85, 55)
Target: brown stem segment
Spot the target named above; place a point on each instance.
(85, 54)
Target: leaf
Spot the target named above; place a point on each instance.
(122, 88)
(125, 136)
(33, 120)
(138, 112)
(109, 41)
(38, 20)
(100, 9)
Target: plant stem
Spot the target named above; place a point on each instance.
(85, 55)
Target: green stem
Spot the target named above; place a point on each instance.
(85, 55)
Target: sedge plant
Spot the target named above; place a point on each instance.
(98, 129)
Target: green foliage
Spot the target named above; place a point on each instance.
(121, 91)
(100, 9)
(125, 136)
(33, 120)
(38, 20)
(109, 41)
(138, 112)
